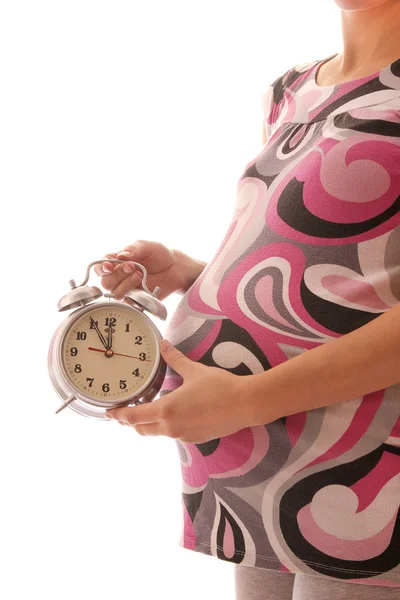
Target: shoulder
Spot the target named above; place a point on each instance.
(274, 94)
(288, 79)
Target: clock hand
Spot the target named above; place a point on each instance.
(117, 354)
(101, 337)
(109, 337)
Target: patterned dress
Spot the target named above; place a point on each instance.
(312, 253)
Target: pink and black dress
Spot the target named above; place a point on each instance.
(312, 253)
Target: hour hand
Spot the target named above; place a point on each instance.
(101, 336)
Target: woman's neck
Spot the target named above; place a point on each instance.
(371, 40)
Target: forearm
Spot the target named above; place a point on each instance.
(358, 363)
(191, 269)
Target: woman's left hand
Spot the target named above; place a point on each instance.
(211, 403)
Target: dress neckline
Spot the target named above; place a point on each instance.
(352, 82)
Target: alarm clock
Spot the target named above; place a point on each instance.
(106, 353)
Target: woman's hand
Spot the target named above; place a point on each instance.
(211, 403)
(169, 269)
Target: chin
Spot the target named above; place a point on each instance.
(357, 5)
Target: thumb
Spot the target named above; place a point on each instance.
(175, 359)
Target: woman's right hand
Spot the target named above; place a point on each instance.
(169, 269)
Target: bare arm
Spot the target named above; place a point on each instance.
(264, 135)
(191, 269)
(358, 363)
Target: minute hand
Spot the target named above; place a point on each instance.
(101, 337)
(109, 337)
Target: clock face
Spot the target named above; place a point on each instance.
(109, 353)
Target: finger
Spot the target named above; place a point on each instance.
(105, 267)
(112, 281)
(129, 283)
(133, 415)
(149, 429)
(177, 360)
(137, 251)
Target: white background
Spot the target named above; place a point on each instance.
(119, 120)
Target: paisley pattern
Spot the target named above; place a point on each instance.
(312, 253)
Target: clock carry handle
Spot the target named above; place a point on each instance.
(155, 292)
(82, 294)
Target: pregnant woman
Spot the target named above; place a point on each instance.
(283, 384)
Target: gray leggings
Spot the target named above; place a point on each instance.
(252, 583)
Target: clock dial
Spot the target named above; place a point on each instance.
(109, 353)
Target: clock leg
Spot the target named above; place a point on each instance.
(70, 399)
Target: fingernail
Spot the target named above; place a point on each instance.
(124, 253)
(107, 416)
(165, 345)
(106, 269)
(127, 269)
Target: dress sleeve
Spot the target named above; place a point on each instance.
(271, 101)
